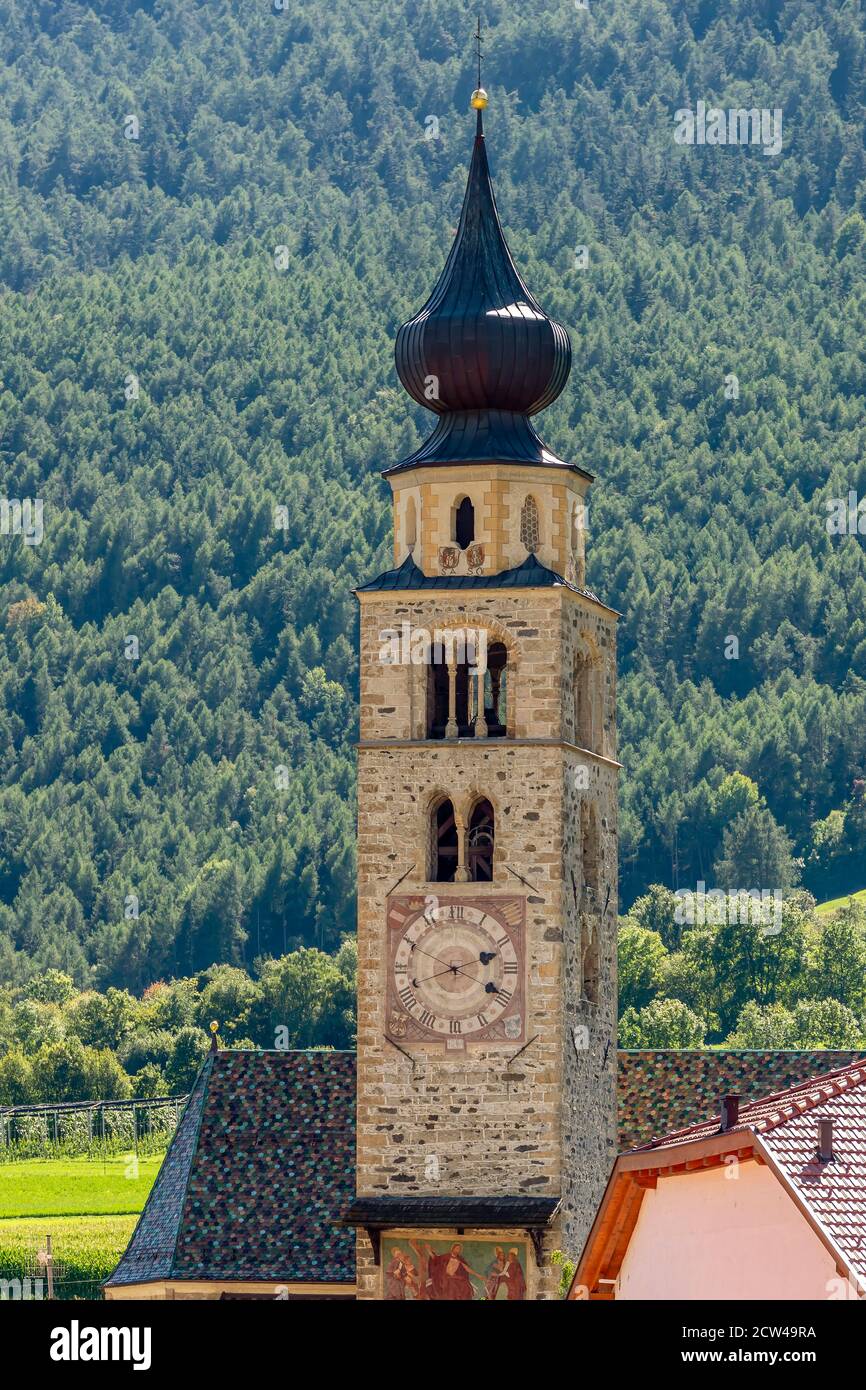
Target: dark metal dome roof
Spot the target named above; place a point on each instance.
(496, 355)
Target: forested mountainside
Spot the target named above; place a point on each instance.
(213, 217)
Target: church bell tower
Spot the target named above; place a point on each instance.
(487, 811)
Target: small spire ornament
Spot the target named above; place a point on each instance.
(478, 99)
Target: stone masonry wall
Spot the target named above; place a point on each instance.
(543, 1123)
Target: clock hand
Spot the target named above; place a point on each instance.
(456, 969)
(451, 970)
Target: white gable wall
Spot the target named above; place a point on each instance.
(730, 1233)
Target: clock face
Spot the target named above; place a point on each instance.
(455, 970)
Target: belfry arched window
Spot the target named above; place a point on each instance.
(467, 691)
(443, 843)
(496, 691)
(479, 848)
(529, 533)
(464, 523)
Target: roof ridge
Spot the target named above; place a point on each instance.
(820, 1091)
(837, 1081)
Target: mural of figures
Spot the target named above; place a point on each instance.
(417, 1269)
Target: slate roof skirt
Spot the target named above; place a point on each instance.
(531, 574)
(484, 437)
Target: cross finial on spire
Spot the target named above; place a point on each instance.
(478, 100)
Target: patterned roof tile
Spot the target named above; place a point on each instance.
(263, 1160)
(261, 1166)
(660, 1092)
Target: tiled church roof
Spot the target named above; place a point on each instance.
(262, 1165)
(664, 1091)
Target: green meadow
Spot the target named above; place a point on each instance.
(89, 1208)
(76, 1186)
(829, 909)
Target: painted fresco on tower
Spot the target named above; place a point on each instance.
(416, 1269)
(456, 970)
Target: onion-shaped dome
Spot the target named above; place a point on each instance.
(482, 335)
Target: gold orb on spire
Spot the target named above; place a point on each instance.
(478, 100)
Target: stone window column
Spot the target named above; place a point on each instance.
(461, 874)
(480, 721)
(451, 726)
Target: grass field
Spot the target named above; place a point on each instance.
(86, 1249)
(827, 909)
(76, 1186)
(88, 1207)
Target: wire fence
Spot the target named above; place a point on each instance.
(77, 1128)
(33, 1266)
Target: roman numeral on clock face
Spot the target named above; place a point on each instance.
(503, 994)
(503, 941)
(510, 967)
(482, 1020)
(456, 1026)
(426, 1018)
(408, 998)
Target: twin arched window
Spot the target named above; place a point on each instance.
(461, 855)
(464, 701)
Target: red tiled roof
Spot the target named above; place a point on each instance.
(787, 1124)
